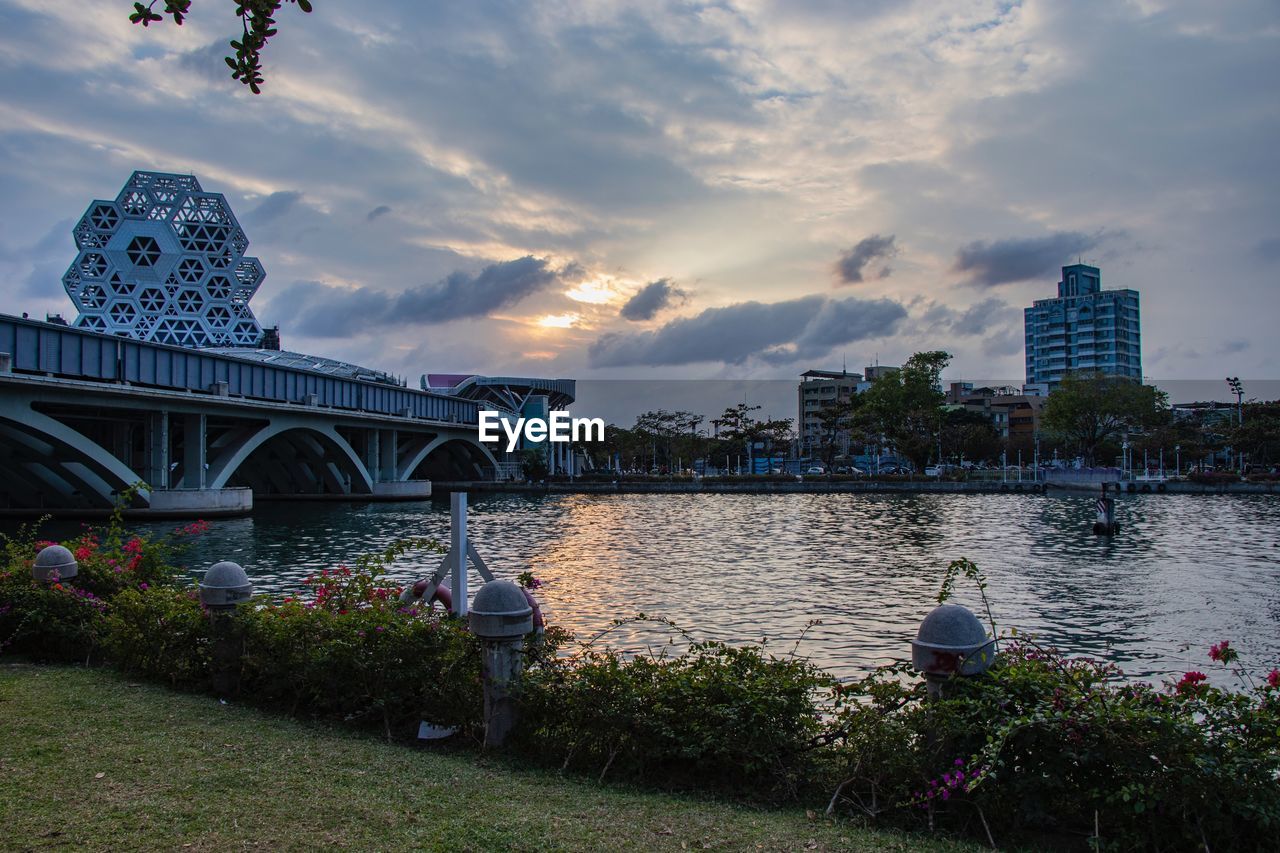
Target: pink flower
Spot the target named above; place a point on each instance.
(1273, 678)
(1222, 652)
(1191, 682)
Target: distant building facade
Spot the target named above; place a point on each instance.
(1085, 329)
(1014, 413)
(821, 389)
(818, 390)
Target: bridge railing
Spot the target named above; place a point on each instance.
(46, 348)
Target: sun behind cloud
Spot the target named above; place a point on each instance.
(558, 321)
(598, 291)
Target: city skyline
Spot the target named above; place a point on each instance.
(719, 191)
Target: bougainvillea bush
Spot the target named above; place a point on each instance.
(349, 648)
(1043, 745)
(66, 619)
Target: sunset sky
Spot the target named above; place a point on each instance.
(684, 190)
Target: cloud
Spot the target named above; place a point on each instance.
(775, 333)
(978, 318)
(1019, 259)
(651, 299)
(274, 206)
(852, 263)
(1004, 342)
(1233, 347)
(327, 311)
(839, 322)
(380, 210)
(1268, 250)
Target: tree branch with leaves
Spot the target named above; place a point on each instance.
(257, 25)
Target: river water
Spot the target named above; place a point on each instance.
(1185, 571)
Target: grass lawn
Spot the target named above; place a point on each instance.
(89, 759)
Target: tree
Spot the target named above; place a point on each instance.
(737, 428)
(676, 433)
(1089, 409)
(257, 23)
(1258, 437)
(533, 464)
(845, 425)
(906, 405)
(969, 435)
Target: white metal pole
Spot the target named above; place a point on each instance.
(458, 551)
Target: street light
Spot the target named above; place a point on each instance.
(1233, 382)
(1177, 450)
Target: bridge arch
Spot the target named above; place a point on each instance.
(54, 459)
(305, 449)
(449, 457)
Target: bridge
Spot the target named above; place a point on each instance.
(85, 414)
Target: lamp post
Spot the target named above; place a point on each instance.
(1233, 382)
(1177, 452)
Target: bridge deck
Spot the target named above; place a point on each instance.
(45, 349)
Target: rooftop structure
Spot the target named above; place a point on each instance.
(512, 393)
(165, 262)
(301, 361)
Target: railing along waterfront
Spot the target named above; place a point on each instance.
(61, 351)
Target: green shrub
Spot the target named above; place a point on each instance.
(1213, 478)
(162, 633)
(1046, 744)
(48, 622)
(718, 716)
(350, 650)
(368, 665)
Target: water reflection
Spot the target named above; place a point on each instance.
(1185, 571)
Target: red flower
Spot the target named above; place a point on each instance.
(1273, 678)
(84, 552)
(1191, 681)
(1222, 652)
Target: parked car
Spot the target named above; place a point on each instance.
(815, 469)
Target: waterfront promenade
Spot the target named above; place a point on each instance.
(822, 486)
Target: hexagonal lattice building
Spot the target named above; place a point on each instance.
(165, 262)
